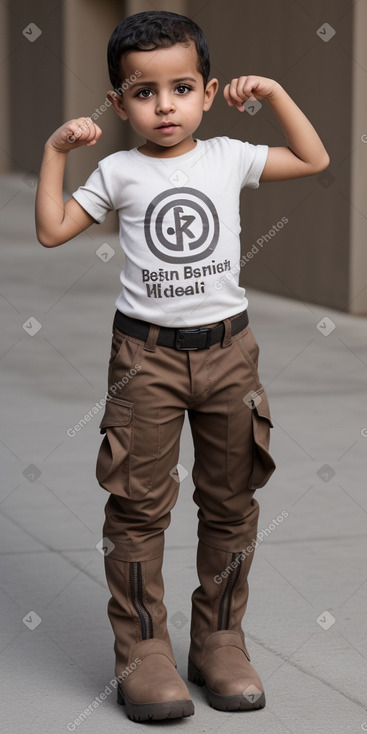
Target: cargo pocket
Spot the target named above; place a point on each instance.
(263, 464)
(113, 461)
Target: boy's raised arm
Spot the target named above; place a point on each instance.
(305, 154)
(58, 221)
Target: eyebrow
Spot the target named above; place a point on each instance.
(172, 81)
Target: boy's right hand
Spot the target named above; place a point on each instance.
(74, 134)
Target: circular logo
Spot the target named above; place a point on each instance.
(181, 226)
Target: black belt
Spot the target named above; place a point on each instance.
(182, 339)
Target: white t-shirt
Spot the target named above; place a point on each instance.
(179, 226)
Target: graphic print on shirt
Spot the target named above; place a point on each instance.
(181, 226)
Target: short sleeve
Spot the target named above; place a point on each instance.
(94, 196)
(250, 160)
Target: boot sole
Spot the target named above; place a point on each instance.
(155, 711)
(224, 703)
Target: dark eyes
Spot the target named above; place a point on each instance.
(181, 89)
(144, 93)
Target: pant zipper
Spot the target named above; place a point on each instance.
(137, 600)
(225, 604)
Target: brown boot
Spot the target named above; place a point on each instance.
(148, 682)
(218, 656)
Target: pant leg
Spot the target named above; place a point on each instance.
(142, 424)
(230, 424)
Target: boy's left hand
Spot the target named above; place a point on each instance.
(247, 87)
(304, 153)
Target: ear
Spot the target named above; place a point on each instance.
(209, 94)
(117, 102)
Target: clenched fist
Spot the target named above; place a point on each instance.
(249, 87)
(73, 134)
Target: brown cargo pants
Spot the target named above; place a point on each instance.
(149, 389)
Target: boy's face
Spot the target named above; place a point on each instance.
(165, 105)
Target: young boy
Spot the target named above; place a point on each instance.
(180, 341)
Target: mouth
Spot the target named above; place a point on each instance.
(167, 127)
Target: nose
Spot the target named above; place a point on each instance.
(165, 102)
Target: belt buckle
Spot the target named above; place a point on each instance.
(192, 339)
